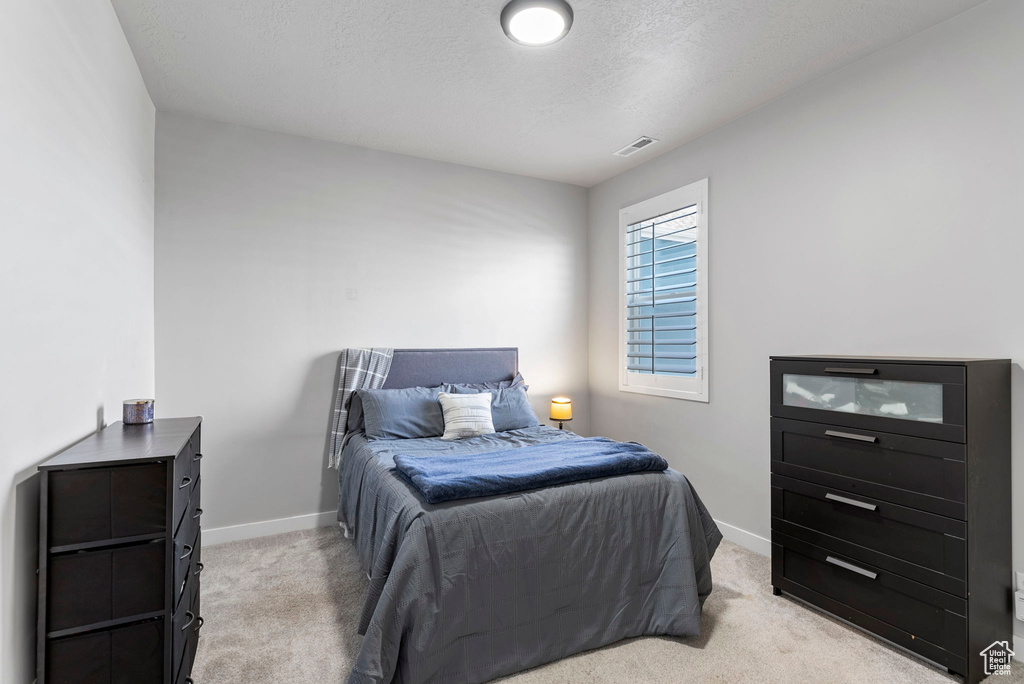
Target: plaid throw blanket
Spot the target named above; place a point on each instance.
(357, 369)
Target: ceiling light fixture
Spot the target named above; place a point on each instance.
(536, 22)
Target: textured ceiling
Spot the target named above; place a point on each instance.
(439, 79)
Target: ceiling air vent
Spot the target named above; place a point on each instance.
(635, 146)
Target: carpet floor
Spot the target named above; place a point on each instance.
(284, 609)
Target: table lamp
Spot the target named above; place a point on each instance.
(561, 410)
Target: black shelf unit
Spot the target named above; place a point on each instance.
(119, 556)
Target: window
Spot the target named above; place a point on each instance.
(663, 339)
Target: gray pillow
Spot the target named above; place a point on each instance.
(355, 422)
(471, 387)
(408, 413)
(510, 407)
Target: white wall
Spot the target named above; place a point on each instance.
(76, 262)
(273, 252)
(877, 211)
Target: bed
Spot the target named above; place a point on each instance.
(473, 589)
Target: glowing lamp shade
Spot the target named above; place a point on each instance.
(561, 409)
(536, 22)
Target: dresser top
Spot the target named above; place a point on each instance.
(924, 360)
(119, 443)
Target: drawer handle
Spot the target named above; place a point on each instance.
(191, 619)
(199, 512)
(201, 623)
(185, 482)
(197, 457)
(852, 502)
(850, 435)
(854, 371)
(851, 567)
(187, 553)
(199, 569)
(188, 680)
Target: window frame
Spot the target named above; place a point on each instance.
(676, 387)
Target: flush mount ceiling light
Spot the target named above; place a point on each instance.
(536, 22)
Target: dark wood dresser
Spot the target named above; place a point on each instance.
(119, 557)
(891, 498)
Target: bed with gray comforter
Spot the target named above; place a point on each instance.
(473, 589)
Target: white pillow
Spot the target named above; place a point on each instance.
(466, 415)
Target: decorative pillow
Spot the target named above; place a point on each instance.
(466, 415)
(408, 413)
(510, 407)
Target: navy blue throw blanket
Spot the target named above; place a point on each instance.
(443, 477)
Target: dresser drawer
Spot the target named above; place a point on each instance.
(187, 554)
(195, 569)
(127, 655)
(184, 622)
(187, 544)
(195, 505)
(196, 466)
(183, 677)
(108, 584)
(908, 399)
(922, 619)
(100, 504)
(195, 453)
(919, 473)
(182, 484)
(923, 546)
(187, 623)
(183, 669)
(193, 512)
(183, 553)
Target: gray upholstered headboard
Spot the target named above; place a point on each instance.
(431, 367)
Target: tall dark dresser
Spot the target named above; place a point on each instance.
(891, 498)
(119, 557)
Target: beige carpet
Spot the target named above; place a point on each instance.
(284, 609)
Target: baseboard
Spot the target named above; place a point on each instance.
(747, 540)
(219, 535)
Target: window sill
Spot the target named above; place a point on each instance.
(701, 396)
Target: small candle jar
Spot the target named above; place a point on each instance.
(137, 411)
